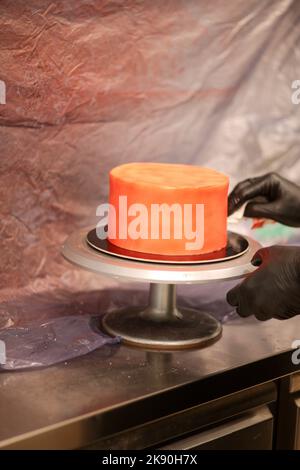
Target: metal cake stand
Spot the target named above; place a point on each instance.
(161, 324)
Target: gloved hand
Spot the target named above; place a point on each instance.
(273, 290)
(272, 197)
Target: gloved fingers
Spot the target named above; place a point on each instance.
(262, 314)
(234, 202)
(247, 190)
(281, 317)
(238, 298)
(272, 290)
(247, 306)
(256, 260)
(285, 314)
(232, 296)
(260, 256)
(244, 308)
(271, 303)
(254, 303)
(264, 211)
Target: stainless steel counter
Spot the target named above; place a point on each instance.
(75, 403)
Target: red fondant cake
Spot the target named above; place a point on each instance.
(169, 209)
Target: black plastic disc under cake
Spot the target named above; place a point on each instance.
(236, 246)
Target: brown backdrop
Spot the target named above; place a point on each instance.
(92, 84)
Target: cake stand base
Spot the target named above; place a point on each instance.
(162, 325)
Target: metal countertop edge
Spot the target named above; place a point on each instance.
(83, 430)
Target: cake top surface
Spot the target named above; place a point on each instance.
(170, 175)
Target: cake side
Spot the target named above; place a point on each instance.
(168, 209)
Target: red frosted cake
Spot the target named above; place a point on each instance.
(168, 209)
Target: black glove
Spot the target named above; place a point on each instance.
(273, 197)
(273, 290)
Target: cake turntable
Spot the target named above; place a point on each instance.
(161, 324)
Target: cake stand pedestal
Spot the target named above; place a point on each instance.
(161, 324)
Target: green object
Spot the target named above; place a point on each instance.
(274, 233)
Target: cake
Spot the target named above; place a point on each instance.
(167, 209)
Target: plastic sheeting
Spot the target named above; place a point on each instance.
(91, 84)
(46, 343)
